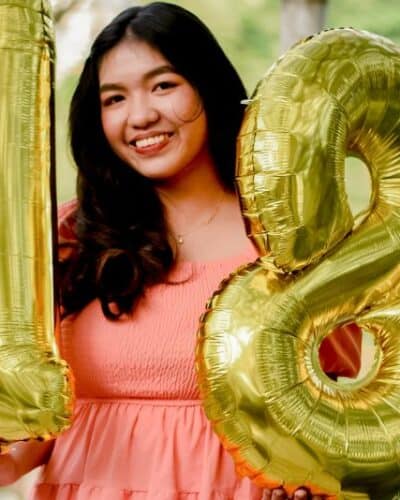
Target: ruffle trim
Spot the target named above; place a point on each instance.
(141, 449)
(45, 491)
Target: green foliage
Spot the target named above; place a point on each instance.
(371, 15)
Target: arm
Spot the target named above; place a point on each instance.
(21, 458)
(340, 352)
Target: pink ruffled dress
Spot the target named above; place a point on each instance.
(139, 430)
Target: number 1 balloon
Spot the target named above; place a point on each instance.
(35, 389)
(284, 421)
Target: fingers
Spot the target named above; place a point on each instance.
(301, 494)
(266, 494)
(280, 494)
(304, 494)
(276, 494)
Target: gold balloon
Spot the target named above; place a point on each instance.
(35, 393)
(282, 418)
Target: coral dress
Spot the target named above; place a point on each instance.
(139, 430)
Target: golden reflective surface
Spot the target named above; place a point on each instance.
(35, 396)
(283, 420)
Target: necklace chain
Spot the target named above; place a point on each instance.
(180, 237)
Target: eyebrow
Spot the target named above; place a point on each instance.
(159, 70)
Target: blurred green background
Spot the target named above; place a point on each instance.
(248, 30)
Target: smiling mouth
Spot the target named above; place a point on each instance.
(148, 142)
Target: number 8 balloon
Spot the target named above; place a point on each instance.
(284, 421)
(35, 389)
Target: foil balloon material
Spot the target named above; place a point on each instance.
(283, 419)
(35, 388)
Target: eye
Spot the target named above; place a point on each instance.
(112, 99)
(162, 86)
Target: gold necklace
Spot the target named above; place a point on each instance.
(180, 237)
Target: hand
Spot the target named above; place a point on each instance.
(280, 494)
(8, 470)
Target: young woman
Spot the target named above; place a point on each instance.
(156, 227)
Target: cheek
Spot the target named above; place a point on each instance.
(196, 134)
(201, 128)
(186, 106)
(105, 125)
(110, 124)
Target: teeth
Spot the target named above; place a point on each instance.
(150, 141)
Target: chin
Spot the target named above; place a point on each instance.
(159, 174)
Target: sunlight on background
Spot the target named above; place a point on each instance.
(73, 39)
(248, 31)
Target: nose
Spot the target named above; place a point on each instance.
(142, 113)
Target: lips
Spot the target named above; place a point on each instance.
(150, 142)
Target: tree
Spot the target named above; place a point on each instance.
(299, 19)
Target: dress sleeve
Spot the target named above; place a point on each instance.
(66, 228)
(340, 352)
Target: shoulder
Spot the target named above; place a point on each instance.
(67, 208)
(66, 214)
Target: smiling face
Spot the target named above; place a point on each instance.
(152, 117)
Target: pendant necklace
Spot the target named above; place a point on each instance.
(180, 237)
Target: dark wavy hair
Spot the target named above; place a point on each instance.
(122, 240)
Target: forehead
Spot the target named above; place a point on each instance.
(130, 58)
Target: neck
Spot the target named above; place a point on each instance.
(187, 196)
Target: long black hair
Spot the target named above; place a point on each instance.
(122, 240)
